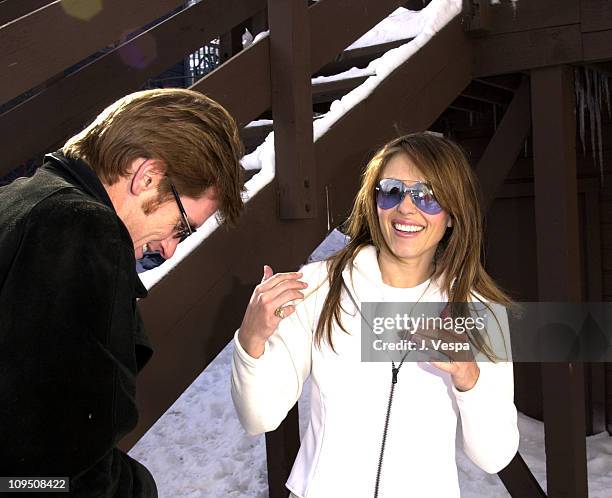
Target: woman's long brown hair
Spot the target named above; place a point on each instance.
(459, 270)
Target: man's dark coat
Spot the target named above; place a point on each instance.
(71, 339)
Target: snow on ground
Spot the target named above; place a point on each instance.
(198, 449)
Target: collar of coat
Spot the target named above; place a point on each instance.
(365, 281)
(80, 174)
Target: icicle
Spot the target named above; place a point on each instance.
(607, 95)
(579, 89)
(514, 9)
(600, 144)
(591, 108)
(598, 105)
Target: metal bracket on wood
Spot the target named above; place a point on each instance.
(292, 107)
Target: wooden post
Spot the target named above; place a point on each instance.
(230, 43)
(505, 146)
(281, 449)
(292, 107)
(519, 480)
(556, 210)
(595, 373)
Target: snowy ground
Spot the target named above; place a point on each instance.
(198, 449)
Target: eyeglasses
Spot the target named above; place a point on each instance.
(391, 192)
(186, 229)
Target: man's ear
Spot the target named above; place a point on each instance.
(146, 175)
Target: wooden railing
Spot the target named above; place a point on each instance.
(215, 280)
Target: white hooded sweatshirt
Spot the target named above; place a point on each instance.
(340, 450)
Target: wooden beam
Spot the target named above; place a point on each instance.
(332, 90)
(472, 106)
(597, 46)
(292, 107)
(595, 373)
(14, 9)
(507, 82)
(85, 27)
(556, 209)
(230, 42)
(519, 481)
(358, 57)
(538, 48)
(327, 15)
(511, 17)
(411, 98)
(71, 102)
(485, 93)
(505, 146)
(595, 15)
(477, 16)
(282, 446)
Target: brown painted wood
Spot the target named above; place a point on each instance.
(595, 15)
(292, 107)
(514, 52)
(510, 17)
(230, 42)
(28, 42)
(485, 93)
(253, 136)
(505, 146)
(282, 446)
(597, 46)
(14, 9)
(358, 57)
(477, 16)
(45, 121)
(519, 481)
(76, 99)
(595, 373)
(554, 146)
(411, 98)
(332, 90)
(508, 82)
(327, 15)
(593, 244)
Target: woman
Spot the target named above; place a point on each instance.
(415, 236)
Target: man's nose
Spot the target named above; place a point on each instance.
(169, 247)
(165, 248)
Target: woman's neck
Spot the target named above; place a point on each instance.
(403, 273)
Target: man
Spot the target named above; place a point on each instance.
(147, 172)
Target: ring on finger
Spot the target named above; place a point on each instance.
(279, 312)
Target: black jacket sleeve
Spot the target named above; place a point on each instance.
(67, 352)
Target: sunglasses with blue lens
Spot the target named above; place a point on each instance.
(390, 192)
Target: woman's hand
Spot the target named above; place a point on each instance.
(459, 360)
(267, 307)
(464, 374)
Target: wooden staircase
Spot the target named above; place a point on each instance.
(47, 93)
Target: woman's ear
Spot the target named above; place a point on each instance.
(449, 222)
